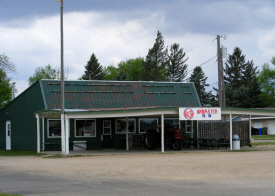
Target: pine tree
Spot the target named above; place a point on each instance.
(199, 79)
(155, 64)
(93, 69)
(177, 67)
(249, 72)
(233, 69)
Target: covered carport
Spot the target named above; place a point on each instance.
(162, 112)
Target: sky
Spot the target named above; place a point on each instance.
(116, 30)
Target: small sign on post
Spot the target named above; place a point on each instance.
(200, 113)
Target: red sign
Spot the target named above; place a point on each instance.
(188, 113)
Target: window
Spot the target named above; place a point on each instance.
(186, 126)
(121, 125)
(107, 127)
(147, 123)
(171, 123)
(85, 128)
(54, 128)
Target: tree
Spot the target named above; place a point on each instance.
(132, 67)
(234, 69)
(6, 65)
(93, 69)
(46, 72)
(5, 89)
(177, 69)
(110, 72)
(122, 76)
(156, 62)
(199, 79)
(241, 87)
(266, 80)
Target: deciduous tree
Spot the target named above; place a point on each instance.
(5, 89)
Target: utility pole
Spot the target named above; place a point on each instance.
(220, 74)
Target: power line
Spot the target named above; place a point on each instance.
(200, 66)
(200, 45)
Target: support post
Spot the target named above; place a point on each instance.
(249, 130)
(38, 133)
(162, 133)
(230, 121)
(127, 135)
(67, 136)
(63, 136)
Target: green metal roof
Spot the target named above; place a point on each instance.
(89, 94)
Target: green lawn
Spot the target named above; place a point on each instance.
(266, 144)
(263, 137)
(19, 153)
(6, 194)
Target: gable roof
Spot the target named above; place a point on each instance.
(102, 94)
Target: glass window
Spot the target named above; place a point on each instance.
(85, 128)
(107, 127)
(171, 123)
(54, 128)
(121, 126)
(147, 123)
(188, 126)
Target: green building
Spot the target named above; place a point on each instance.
(96, 113)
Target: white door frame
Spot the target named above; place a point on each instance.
(8, 135)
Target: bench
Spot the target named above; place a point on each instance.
(223, 142)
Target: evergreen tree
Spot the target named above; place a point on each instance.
(177, 69)
(234, 69)
(249, 72)
(199, 79)
(93, 70)
(5, 89)
(155, 64)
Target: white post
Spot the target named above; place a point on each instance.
(63, 145)
(230, 121)
(127, 134)
(38, 133)
(43, 136)
(162, 133)
(67, 136)
(249, 131)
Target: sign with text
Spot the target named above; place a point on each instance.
(200, 113)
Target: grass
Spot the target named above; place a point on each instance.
(7, 153)
(263, 137)
(7, 194)
(266, 144)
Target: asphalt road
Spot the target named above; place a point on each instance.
(26, 183)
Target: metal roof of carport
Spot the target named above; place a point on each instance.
(142, 111)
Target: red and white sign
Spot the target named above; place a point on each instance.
(200, 113)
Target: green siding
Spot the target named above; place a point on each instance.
(23, 122)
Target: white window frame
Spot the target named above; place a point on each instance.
(107, 127)
(48, 128)
(83, 136)
(146, 119)
(125, 130)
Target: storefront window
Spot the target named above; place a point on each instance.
(54, 128)
(147, 123)
(85, 128)
(121, 126)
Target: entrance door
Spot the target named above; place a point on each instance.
(108, 140)
(8, 135)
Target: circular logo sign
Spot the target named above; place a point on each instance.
(188, 113)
